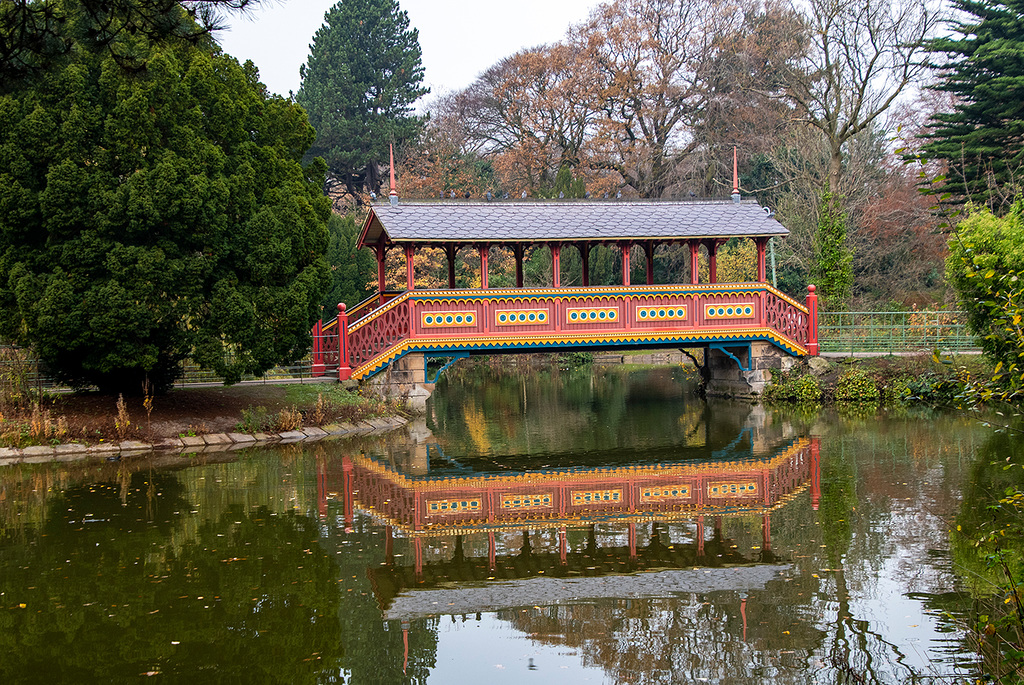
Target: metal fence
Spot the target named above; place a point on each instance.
(894, 331)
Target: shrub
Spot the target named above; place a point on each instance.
(792, 387)
(856, 386)
(255, 420)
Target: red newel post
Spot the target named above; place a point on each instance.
(344, 370)
(318, 348)
(812, 322)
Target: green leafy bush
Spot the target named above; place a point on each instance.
(793, 386)
(856, 386)
(986, 267)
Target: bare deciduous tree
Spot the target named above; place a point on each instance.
(862, 56)
(656, 60)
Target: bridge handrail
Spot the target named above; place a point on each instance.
(388, 326)
(363, 308)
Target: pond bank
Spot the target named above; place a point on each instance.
(187, 445)
(190, 418)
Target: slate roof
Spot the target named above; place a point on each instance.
(531, 222)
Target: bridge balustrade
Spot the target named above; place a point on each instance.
(616, 316)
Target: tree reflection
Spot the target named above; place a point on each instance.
(109, 590)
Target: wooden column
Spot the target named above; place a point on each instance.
(556, 266)
(626, 249)
(450, 251)
(410, 267)
(813, 348)
(518, 250)
(344, 370)
(712, 246)
(649, 253)
(381, 278)
(584, 249)
(762, 267)
(484, 254)
(694, 261)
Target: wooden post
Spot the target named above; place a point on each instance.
(712, 246)
(410, 267)
(584, 249)
(449, 252)
(694, 262)
(518, 250)
(318, 349)
(649, 253)
(812, 322)
(762, 265)
(626, 249)
(484, 254)
(344, 370)
(381, 276)
(556, 266)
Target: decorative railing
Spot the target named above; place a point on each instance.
(378, 332)
(564, 317)
(371, 303)
(638, 491)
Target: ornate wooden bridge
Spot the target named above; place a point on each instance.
(747, 327)
(454, 322)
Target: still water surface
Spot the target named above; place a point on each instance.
(550, 527)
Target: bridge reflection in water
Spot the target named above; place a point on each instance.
(474, 537)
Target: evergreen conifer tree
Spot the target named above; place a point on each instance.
(153, 215)
(358, 85)
(981, 138)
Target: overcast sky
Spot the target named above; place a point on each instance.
(459, 39)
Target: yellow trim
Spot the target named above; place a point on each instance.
(520, 294)
(468, 319)
(710, 313)
(533, 522)
(499, 481)
(541, 317)
(635, 336)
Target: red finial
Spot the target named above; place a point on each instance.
(394, 192)
(735, 173)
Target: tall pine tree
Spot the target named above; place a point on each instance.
(981, 138)
(358, 85)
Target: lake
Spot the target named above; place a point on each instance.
(540, 526)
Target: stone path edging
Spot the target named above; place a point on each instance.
(193, 444)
